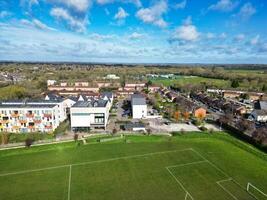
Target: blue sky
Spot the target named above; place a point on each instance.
(135, 31)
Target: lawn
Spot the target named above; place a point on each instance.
(185, 80)
(201, 166)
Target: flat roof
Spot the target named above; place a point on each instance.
(138, 99)
(26, 105)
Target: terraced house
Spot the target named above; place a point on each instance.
(29, 116)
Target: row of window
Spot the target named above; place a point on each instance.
(37, 112)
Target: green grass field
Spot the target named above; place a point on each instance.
(201, 166)
(184, 80)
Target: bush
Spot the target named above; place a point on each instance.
(175, 133)
(21, 137)
(196, 122)
(28, 142)
(203, 128)
(182, 131)
(211, 130)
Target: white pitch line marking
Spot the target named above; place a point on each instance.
(185, 164)
(69, 183)
(186, 192)
(227, 191)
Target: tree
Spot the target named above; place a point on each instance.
(149, 131)
(260, 135)
(5, 138)
(244, 96)
(76, 137)
(186, 116)
(264, 88)
(123, 81)
(28, 142)
(200, 116)
(114, 131)
(176, 116)
(148, 83)
(235, 84)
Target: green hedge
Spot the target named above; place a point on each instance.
(21, 137)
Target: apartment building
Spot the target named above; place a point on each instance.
(24, 117)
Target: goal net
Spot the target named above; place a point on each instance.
(256, 192)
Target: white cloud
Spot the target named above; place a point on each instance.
(136, 35)
(180, 5)
(211, 35)
(255, 40)
(187, 21)
(153, 14)
(78, 5)
(223, 36)
(36, 24)
(187, 32)
(239, 37)
(4, 14)
(76, 24)
(99, 37)
(136, 2)
(224, 5)
(33, 2)
(29, 3)
(41, 25)
(246, 11)
(121, 14)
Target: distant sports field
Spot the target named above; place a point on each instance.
(194, 166)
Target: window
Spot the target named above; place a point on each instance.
(99, 118)
(80, 114)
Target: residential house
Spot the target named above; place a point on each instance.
(139, 106)
(258, 115)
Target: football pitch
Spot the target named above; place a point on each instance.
(146, 167)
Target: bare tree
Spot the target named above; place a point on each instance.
(76, 137)
(114, 131)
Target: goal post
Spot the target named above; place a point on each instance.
(256, 192)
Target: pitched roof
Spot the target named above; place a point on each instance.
(92, 103)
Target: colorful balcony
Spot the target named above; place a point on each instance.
(48, 115)
(15, 127)
(48, 127)
(14, 115)
(37, 121)
(31, 127)
(5, 121)
(22, 121)
(30, 115)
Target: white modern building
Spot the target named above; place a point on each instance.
(139, 106)
(86, 115)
